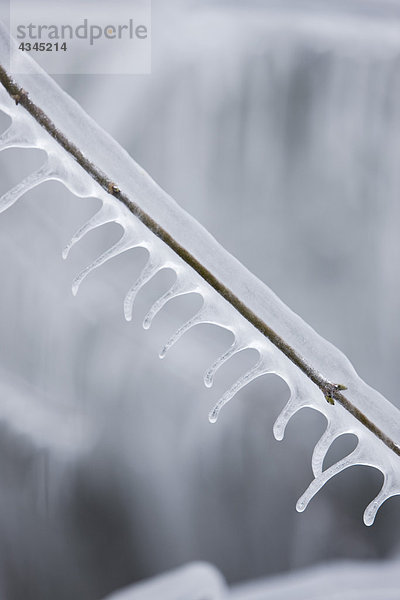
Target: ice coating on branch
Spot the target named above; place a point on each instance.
(16, 136)
(136, 184)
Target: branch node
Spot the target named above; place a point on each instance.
(19, 95)
(113, 189)
(330, 391)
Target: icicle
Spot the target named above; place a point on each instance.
(34, 179)
(152, 267)
(352, 459)
(374, 506)
(106, 214)
(178, 289)
(322, 447)
(256, 371)
(291, 408)
(200, 317)
(125, 243)
(210, 373)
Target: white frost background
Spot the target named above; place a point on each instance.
(278, 128)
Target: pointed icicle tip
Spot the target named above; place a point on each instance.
(279, 432)
(301, 505)
(213, 416)
(369, 516)
(208, 381)
(146, 324)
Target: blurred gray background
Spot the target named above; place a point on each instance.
(277, 125)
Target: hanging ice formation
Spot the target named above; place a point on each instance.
(327, 362)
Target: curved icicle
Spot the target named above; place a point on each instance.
(106, 214)
(321, 448)
(374, 506)
(31, 181)
(152, 267)
(178, 289)
(258, 369)
(198, 318)
(211, 371)
(351, 459)
(291, 408)
(125, 243)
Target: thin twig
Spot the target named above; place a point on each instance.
(331, 391)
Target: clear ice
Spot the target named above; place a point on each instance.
(108, 156)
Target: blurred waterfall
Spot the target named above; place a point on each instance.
(278, 126)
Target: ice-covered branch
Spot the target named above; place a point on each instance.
(90, 163)
(332, 391)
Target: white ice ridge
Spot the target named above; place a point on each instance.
(136, 184)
